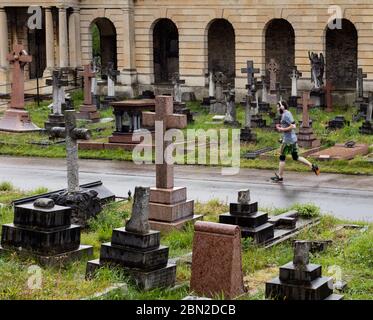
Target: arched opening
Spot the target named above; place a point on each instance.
(341, 55)
(165, 50)
(222, 48)
(104, 41)
(280, 45)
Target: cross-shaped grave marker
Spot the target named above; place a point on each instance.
(177, 82)
(88, 74)
(72, 134)
(219, 79)
(328, 93)
(360, 83)
(57, 82)
(295, 75)
(273, 69)
(250, 71)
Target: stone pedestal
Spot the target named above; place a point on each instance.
(218, 107)
(43, 233)
(252, 222)
(366, 128)
(181, 108)
(140, 255)
(17, 120)
(318, 98)
(54, 120)
(307, 139)
(216, 261)
(338, 122)
(248, 135)
(88, 112)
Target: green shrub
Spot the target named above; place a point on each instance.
(6, 186)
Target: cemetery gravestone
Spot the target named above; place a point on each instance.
(179, 106)
(88, 111)
(245, 214)
(300, 280)
(169, 207)
(361, 101)
(218, 106)
(43, 230)
(16, 118)
(111, 78)
(295, 75)
(317, 78)
(338, 122)
(273, 69)
(95, 64)
(367, 127)
(137, 249)
(216, 261)
(264, 106)
(230, 117)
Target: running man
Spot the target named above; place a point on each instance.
(289, 142)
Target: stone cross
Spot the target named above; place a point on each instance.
(250, 71)
(163, 115)
(88, 75)
(95, 68)
(370, 108)
(210, 76)
(360, 83)
(328, 93)
(301, 254)
(219, 79)
(57, 82)
(273, 69)
(295, 75)
(177, 82)
(111, 77)
(306, 103)
(139, 222)
(72, 134)
(244, 196)
(19, 58)
(231, 105)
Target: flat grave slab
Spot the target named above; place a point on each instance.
(341, 152)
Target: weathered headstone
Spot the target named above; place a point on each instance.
(218, 106)
(295, 75)
(230, 116)
(96, 68)
(273, 70)
(338, 122)
(206, 101)
(43, 230)
(216, 261)
(367, 127)
(300, 280)
(58, 82)
(306, 137)
(85, 203)
(169, 207)
(360, 85)
(16, 118)
(264, 106)
(111, 75)
(317, 78)
(250, 71)
(245, 214)
(88, 111)
(179, 106)
(137, 251)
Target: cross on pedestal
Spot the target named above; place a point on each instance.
(88, 74)
(111, 74)
(272, 68)
(163, 118)
(306, 102)
(360, 83)
(250, 71)
(18, 58)
(177, 82)
(219, 79)
(57, 82)
(72, 134)
(294, 76)
(328, 93)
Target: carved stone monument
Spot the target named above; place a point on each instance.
(273, 70)
(317, 78)
(179, 106)
(111, 75)
(295, 75)
(230, 117)
(218, 106)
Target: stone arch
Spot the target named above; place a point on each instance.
(165, 50)
(341, 55)
(280, 45)
(221, 48)
(104, 41)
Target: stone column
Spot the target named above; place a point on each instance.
(4, 65)
(128, 74)
(49, 41)
(62, 33)
(74, 38)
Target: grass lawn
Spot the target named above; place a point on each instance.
(24, 144)
(351, 251)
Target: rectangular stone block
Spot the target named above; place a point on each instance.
(27, 216)
(134, 258)
(121, 237)
(166, 227)
(168, 196)
(243, 209)
(251, 221)
(41, 242)
(164, 176)
(289, 274)
(171, 212)
(259, 234)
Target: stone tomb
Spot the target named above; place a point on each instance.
(338, 122)
(16, 118)
(44, 231)
(341, 152)
(216, 261)
(245, 214)
(137, 250)
(300, 280)
(169, 207)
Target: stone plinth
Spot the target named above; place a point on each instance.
(43, 233)
(366, 128)
(307, 139)
(54, 120)
(338, 122)
(88, 112)
(248, 135)
(17, 120)
(216, 261)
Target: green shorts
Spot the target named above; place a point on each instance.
(289, 148)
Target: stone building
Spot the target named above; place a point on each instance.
(148, 40)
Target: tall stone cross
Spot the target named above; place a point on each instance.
(111, 74)
(88, 74)
(163, 119)
(57, 82)
(219, 79)
(273, 69)
(177, 82)
(328, 93)
(250, 71)
(18, 58)
(72, 134)
(307, 101)
(295, 75)
(360, 83)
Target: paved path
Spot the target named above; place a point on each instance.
(344, 196)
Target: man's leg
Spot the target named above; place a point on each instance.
(281, 167)
(296, 157)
